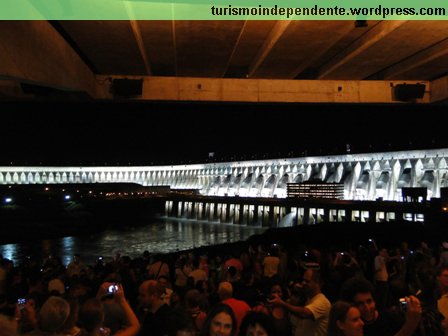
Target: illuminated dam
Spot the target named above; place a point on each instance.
(364, 176)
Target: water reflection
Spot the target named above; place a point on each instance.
(161, 237)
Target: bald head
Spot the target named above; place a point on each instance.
(225, 290)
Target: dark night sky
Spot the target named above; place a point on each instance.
(63, 133)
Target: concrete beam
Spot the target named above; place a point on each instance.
(367, 40)
(235, 48)
(269, 90)
(272, 39)
(439, 90)
(34, 52)
(422, 57)
(138, 38)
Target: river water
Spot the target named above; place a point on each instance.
(161, 236)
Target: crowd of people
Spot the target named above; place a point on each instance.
(256, 290)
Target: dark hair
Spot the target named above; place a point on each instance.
(338, 312)
(193, 298)
(219, 308)
(91, 314)
(252, 318)
(232, 271)
(355, 286)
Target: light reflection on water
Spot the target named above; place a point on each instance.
(160, 237)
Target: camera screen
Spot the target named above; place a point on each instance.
(113, 289)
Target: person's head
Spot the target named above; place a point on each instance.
(257, 324)
(72, 318)
(232, 271)
(76, 258)
(383, 252)
(53, 314)
(360, 293)
(311, 282)
(91, 315)
(163, 282)
(149, 293)
(225, 290)
(276, 289)
(220, 322)
(345, 320)
(192, 298)
(442, 278)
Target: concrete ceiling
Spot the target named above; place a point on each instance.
(264, 49)
(280, 50)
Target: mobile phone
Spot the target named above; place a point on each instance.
(21, 302)
(112, 289)
(403, 304)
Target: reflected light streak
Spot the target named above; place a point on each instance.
(9, 251)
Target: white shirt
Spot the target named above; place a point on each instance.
(380, 269)
(320, 308)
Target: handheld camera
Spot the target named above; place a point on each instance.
(21, 303)
(403, 304)
(112, 289)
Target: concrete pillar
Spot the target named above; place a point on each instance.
(272, 215)
(175, 209)
(193, 210)
(348, 215)
(242, 212)
(306, 215)
(326, 215)
(372, 216)
(203, 212)
(227, 216)
(215, 211)
(255, 217)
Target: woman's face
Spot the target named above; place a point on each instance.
(276, 289)
(353, 324)
(256, 330)
(221, 325)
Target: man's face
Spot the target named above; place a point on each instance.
(144, 297)
(309, 285)
(163, 283)
(366, 305)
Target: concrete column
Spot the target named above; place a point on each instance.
(255, 217)
(227, 217)
(348, 215)
(215, 211)
(242, 213)
(372, 216)
(326, 215)
(182, 209)
(175, 209)
(193, 210)
(271, 217)
(306, 215)
(203, 212)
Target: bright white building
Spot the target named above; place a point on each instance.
(365, 176)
